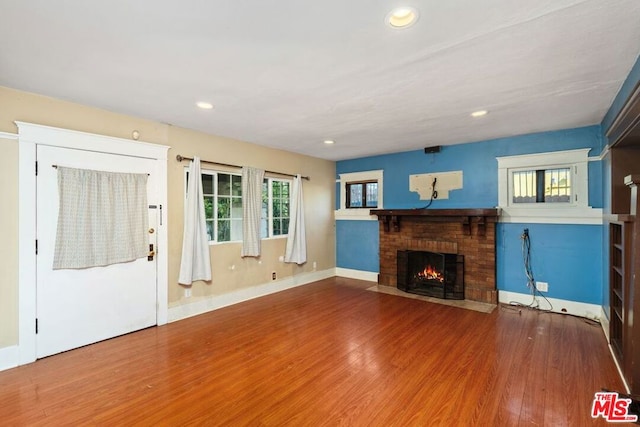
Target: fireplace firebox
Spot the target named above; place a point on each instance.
(432, 274)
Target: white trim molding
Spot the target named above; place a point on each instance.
(216, 302)
(559, 215)
(359, 214)
(7, 135)
(582, 309)
(369, 276)
(604, 322)
(8, 357)
(29, 137)
(577, 211)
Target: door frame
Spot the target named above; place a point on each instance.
(29, 137)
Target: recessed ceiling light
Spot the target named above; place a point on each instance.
(402, 17)
(479, 113)
(204, 105)
(329, 141)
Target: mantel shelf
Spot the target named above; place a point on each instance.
(391, 217)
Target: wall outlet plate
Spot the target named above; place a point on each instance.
(542, 286)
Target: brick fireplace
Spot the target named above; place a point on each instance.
(467, 232)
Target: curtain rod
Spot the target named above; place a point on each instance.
(181, 158)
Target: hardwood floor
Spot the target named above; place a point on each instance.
(328, 353)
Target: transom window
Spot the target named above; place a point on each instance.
(550, 188)
(362, 194)
(357, 206)
(542, 186)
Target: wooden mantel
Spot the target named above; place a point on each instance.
(391, 217)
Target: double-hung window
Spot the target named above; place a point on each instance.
(222, 193)
(222, 205)
(276, 200)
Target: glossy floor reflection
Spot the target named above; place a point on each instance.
(328, 353)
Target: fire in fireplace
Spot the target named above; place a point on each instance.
(433, 274)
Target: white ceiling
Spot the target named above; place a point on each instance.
(291, 73)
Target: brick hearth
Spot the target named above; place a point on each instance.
(453, 231)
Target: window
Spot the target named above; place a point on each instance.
(541, 186)
(223, 206)
(362, 195)
(546, 188)
(359, 192)
(276, 201)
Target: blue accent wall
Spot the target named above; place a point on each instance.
(568, 257)
(479, 166)
(358, 245)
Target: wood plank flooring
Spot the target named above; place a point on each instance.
(329, 353)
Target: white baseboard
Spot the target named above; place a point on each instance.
(624, 381)
(583, 309)
(8, 357)
(369, 276)
(604, 322)
(215, 302)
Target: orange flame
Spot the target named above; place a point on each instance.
(430, 273)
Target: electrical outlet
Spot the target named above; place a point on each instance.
(187, 292)
(273, 275)
(542, 286)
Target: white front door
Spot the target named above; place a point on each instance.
(80, 307)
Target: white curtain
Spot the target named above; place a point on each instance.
(195, 263)
(251, 208)
(102, 218)
(296, 251)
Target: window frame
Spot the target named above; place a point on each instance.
(364, 194)
(572, 196)
(216, 195)
(344, 213)
(270, 217)
(577, 211)
(215, 172)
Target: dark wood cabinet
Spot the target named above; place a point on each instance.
(624, 161)
(623, 221)
(624, 288)
(619, 289)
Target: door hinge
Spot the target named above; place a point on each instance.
(36, 246)
(36, 325)
(36, 168)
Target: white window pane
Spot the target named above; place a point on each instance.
(557, 185)
(524, 187)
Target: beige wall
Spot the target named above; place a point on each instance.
(318, 198)
(9, 243)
